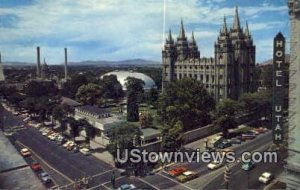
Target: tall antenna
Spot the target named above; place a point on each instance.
(164, 24)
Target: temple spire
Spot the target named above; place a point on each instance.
(236, 22)
(170, 39)
(224, 29)
(193, 37)
(181, 33)
(247, 33)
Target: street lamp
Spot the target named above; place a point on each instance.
(227, 173)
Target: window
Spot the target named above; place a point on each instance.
(180, 76)
(201, 77)
(191, 76)
(207, 78)
(195, 76)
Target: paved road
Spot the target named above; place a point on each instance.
(65, 166)
(241, 178)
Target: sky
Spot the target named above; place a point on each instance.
(116, 30)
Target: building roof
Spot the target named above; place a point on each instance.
(92, 110)
(69, 101)
(123, 75)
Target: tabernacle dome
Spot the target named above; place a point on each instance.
(122, 76)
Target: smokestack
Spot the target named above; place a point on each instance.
(38, 69)
(66, 64)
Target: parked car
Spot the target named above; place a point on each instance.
(248, 166)
(45, 177)
(177, 171)
(187, 176)
(265, 177)
(35, 166)
(224, 144)
(67, 144)
(127, 187)
(25, 152)
(248, 136)
(70, 146)
(214, 165)
(75, 149)
(85, 151)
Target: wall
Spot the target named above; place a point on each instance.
(199, 133)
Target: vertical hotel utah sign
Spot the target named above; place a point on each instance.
(278, 88)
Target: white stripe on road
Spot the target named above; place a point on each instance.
(148, 183)
(175, 181)
(103, 184)
(96, 175)
(66, 177)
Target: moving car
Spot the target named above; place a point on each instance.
(177, 171)
(85, 151)
(248, 166)
(25, 152)
(261, 130)
(35, 166)
(127, 187)
(214, 165)
(265, 177)
(45, 177)
(187, 176)
(235, 141)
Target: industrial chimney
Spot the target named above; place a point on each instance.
(38, 68)
(66, 64)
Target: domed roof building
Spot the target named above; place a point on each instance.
(123, 75)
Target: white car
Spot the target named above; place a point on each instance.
(25, 152)
(214, 165)
(265, 177)
(67, 144)
(127, 187)
(45, 132)
(85, 151)
(52, 136)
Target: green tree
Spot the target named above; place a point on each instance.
(152, 96)
(70, 88)
(134, 90)
(74, 127)
(225, 115)
(124, 137)
(172, 138)
(90, 130)
(187, 101)
(146, 120)
(112, 87)
(89, 94)
(225, 122)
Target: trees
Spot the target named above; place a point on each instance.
(225, 115)
(90, 130)
(134, 89)
(70, 88)
(152, 96)
(112, 87)
(89, 94)
(172, 138)
(146, 120)
(74, 127)
(187, 101)
(124, 137)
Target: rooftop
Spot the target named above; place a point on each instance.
(92, 110)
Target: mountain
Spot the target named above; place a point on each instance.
(270, 61)
(131, 62)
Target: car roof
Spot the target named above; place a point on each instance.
(266, 174)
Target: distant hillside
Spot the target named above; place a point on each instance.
(270, 61)
(133, 62)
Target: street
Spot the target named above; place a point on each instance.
(65, 167)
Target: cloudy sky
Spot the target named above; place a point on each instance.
(127, 29)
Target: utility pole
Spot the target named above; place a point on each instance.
(227, 173)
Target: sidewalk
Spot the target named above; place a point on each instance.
(101, 153)
(200, 144)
